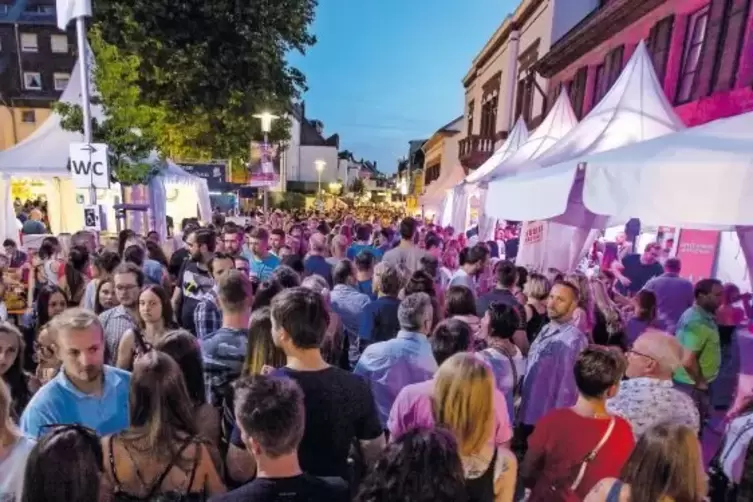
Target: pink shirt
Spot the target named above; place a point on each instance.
(412, 408)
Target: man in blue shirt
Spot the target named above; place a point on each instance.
(262, 262)
(378, 320)
(363, 235)
(316, 263)
(85, 391)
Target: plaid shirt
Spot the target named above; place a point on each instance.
(207, 317)
(115, 322)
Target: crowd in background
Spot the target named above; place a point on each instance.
(308, 357)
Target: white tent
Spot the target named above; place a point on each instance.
(634, 110)
(517, 138)
(558, 122)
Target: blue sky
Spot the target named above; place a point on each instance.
(384, 72)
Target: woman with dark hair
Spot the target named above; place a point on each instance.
(161, 455)
(643, 318)
(21, 384)
(65, 465)
(183, 347)
(155, 319)
(105, 298)
(267, 290)
(102, 266)
(123, 237)
(74, 279)
(155, 252)
(461, 304)
(421, 466)
(50, 302)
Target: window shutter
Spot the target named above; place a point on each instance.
(615, 64)
(710, 49)
(578, 91)
(660, 42)
(732, 40)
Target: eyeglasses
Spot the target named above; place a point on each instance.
(631, 351)
(126, 287)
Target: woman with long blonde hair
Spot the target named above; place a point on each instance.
(665, 466)
(608, 327)
(463, 402)
(14, 450)
(161, 453)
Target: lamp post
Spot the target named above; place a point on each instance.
(320, 165)
(266, 119)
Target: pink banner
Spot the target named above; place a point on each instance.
(697, 252)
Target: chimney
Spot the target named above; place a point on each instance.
(303, 109)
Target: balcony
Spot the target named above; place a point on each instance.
(474, 150)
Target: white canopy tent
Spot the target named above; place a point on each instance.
(560, 120)
(517, 138)
(44, 156)
(634, 110)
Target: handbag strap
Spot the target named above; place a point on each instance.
(592, 454)
(717, 459)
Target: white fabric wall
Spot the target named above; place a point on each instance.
(560, 246)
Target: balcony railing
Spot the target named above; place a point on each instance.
(474, 150)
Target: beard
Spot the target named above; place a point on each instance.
(90, 373)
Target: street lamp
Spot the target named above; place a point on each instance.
(266, 119)
(320, 165)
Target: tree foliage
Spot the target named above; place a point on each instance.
(357, 186)
(201, 70)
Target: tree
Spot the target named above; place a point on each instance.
(205, 68)
(357, 186)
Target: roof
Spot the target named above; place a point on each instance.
(310, 136)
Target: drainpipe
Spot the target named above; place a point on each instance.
(513, 48)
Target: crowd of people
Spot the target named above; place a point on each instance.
(305, 357)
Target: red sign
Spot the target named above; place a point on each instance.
(697, 252)
(534, 232)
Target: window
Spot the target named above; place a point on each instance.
(40, 9)
(600, 84)
(471, 105)
(578, 91)
(694, 39)
(489, 116)
(59, 44)
(659, 42)
(730, 45)
(29, 42)
(614, 66)
(524, 100)
(32, 81)
(61, 80)
(4, 8)
(28, 117)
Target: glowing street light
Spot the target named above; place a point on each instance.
(320, 165)
(266, 127)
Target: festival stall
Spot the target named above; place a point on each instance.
(634, 110)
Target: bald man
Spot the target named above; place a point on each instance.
(649, 396)
(316, 263)
(34, 225)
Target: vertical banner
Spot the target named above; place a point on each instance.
(697, 251)
(264, 165)
(532, 252)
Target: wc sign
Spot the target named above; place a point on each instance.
(88, 165)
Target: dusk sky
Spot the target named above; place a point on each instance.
(384, 72)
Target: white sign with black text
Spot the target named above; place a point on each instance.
(92, 217)
(89, 166)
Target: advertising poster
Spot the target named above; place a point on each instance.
(264, 165)
(697, 251)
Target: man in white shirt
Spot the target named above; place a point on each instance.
(649, 396)
(472, 264)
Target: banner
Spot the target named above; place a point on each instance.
(534, 233)
(697, 251)
(264, 165)
(546, 244)
(214, 173)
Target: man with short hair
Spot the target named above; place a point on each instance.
(364, 264)
(348, 303)
(16, 256)
(34, 225)
(276, 241)
(378, 320)
(674, 295)
(242, 264)
(208, 317)
(698, 333)
(339, 406)
(224, 351)
(476, 259)
(338, 250)
(316, 263)
(648, 397)
(262, 261)
(406, 254)
(363, 236)
(635, 270)
(391, 365)
(85, 391)
(232, 237)
(507, 278)
(270, 415)
(128, 279)
(549, 382)
(194, 279)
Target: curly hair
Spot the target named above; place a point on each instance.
(423, 465)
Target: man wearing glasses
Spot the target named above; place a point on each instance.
(128, 280)
(649, 396)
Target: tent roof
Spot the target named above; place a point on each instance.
(45, 152)
(559, 122)
(517, 137)
(634, 110)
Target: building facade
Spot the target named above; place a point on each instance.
(36, 60)
(501, 84)
(702, 52)
(442, 170)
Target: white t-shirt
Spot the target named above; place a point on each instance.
(461, 278)
(736, 441)
(12, 470)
